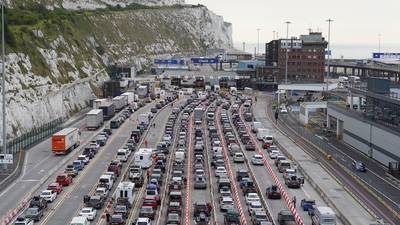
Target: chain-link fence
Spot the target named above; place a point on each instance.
(33, 137)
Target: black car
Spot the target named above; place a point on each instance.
(359, 166)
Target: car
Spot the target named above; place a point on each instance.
(49, 195)
(200, 182)
(88, 212)
(226, 203)
(56, 187)
(150, 201)
(238, 157)
(173, 218)
(34, 213)
(253, 206)
(143, 221)
(258, 216)
(289, 172)
(273, 192)
(23, 221)
(283, 109)
(199, 173)
(84, 158)
(71, 170)
(94, 201)
(273, 154)
(285, 217)
(220, 171)
(122, 210)
(147, 211)
(307, 204)
(257, 159)
(359, 166)
(175, 207)
(252, 197)
(241, 173)
(64, 179)
(102, 191)
(201, 219)
(117, 219)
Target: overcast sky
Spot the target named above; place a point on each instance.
(355, 21)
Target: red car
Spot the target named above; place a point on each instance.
(56, 187)
(64, 179)
(114, 168)
(266, 145)
(150, 201)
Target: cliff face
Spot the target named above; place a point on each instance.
(57, 64)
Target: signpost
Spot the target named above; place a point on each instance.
(169, 61)
(385, 55)
(6, 159)
(204, 60)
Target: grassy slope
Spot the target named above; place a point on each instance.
(105, 26)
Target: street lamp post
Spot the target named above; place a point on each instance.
(329, 53)
(286, 58)
(258, 41)
(379, 43)
(3, 86)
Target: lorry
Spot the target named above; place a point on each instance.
(65, 141)
(99, 102)
(142, 91)
(261, 133)
(108, 110)
(94, 119)
(323, 215)
(120, 102)
(130, 96)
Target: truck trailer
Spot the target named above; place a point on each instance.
(198, 114)
(130, 97)
(108, 110)
(99, 102)
(94, 119)
(65, 141)
(120, 102)
(142, 91)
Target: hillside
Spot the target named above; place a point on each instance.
(56, 59)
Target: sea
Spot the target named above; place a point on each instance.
(346, 51)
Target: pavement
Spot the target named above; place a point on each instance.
(322, 181)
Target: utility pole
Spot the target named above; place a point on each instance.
(258, 41)
(3, 81)
(273, 35)
(329, 53)
(244, 46)
(379, 43)
(286, 58)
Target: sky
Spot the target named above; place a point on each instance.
(357, 24)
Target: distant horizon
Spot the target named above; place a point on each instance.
(348, 50)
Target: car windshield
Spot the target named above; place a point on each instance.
(261, 216)
(120, 208)
(141, 223)
(60, 177)
(31, 211)
(173, 217)
(86, 211)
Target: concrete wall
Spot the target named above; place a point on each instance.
(363, 135)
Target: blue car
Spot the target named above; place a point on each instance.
(78, 165)
(307, 204)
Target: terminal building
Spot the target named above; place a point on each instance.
(306, 59)
(370, 123)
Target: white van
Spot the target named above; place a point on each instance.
(268, 139)
(261, 133)
(122, 155)
(107, 179)
(323, 215)
(179, 156)
(143, 158)
(79, 220)
(255, 126)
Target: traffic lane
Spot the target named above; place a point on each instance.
(264, 181)
(235, 167)
(71, 202)
(39, 160)
(153, 137)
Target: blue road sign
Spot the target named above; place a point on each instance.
(385, 55)
(204, 60)
(328, 52)
(169, 61)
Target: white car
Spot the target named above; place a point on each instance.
(238, 157)
(101, 191)
(94, 145)
(220, 171)
(48, 195)
(88, 212)
(252, 197)
(257, 159)
(273, 154)
(283, 109)
(255, 206)
(84, 158)
(143, 221)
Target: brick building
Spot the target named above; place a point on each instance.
(306, 58)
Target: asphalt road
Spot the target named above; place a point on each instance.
(39, 163)
(69, 203)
